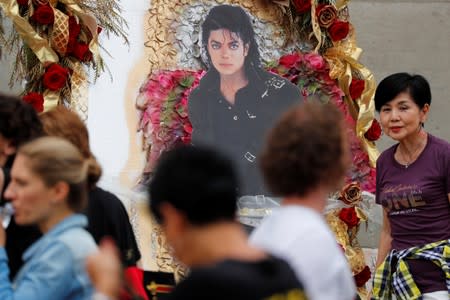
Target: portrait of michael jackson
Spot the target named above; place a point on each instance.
(237, 101)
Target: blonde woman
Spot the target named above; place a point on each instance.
(48, 189)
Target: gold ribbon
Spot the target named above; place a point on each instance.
(51, 99)
(37, 44)
(315, 26)
(79, 88)
(342, 59)
(59, 37)
(361, 214)
(341, 4)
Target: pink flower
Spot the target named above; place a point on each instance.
(314, 61)
(165, 81)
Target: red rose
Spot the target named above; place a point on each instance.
(82, 52)
(55, 77)
(349, 216)
(356, 88)
(339, 30)
(362, 277)
(22, 2)
(374, 131)
(289, 60)
(44, 15)
(302, 6)
(36, 100)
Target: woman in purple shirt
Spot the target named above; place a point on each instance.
(413, 186)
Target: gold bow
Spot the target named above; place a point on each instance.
(342, 59)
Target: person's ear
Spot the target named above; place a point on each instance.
(424, 113)
(60, 192)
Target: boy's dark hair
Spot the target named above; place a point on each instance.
(306, 148)
(198, 182)
(19, 121)
(416, 85)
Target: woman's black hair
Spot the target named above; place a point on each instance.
(416, 85)
(237, 21)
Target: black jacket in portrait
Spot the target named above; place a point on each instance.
(240, 130)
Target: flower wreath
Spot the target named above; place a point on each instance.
(316, 49)
(53, 42)
(318, 53)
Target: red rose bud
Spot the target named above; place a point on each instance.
(44, 15)
(339, 30)
(356, 88)
(349, 216)
(22, 2)
(36, 100)
(289, 60)
(374, 131)
(362, 277)
(99, 29)
(82, 52)
(55, 77)
(302, 6)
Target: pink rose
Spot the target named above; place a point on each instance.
(314, 61)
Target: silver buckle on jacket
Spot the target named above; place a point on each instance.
(250, 157)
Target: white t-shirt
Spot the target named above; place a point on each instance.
(301, 236)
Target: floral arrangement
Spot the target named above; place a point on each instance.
(163, 104)
(54, 41)
(310, 72)
(344, 221)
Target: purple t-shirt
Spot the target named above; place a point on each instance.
(416, 201)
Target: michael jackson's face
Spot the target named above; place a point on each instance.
(227, 52)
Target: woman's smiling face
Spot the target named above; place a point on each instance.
(401, 117)
(227, 51)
